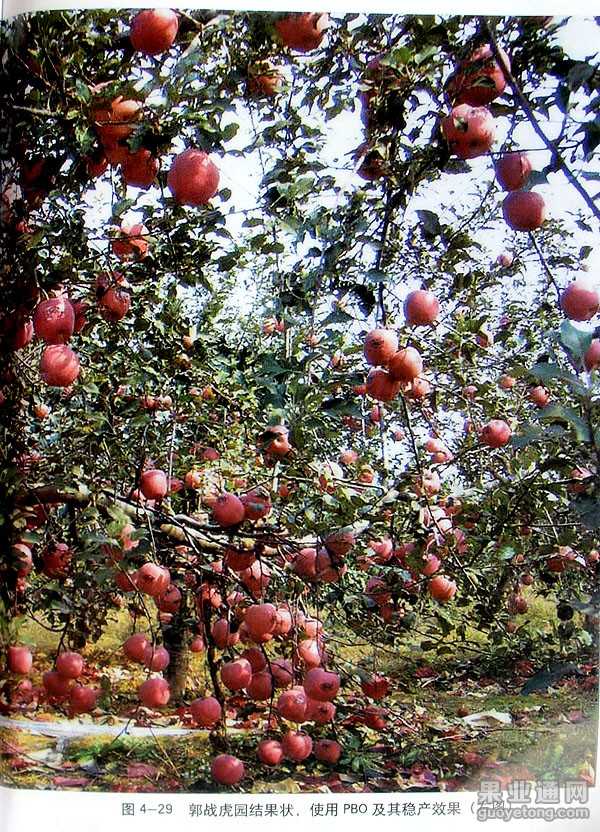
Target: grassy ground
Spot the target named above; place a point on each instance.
(550, 736)
(427, 743)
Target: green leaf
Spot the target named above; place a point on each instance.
(575, 340)
(546, 372)
(579, 74)
(122, 206)
(302, 186)
(563, 93)
(591, 136)
(536, 177)
(584, 638)
(425, 54)
(82, 91)
(430, 223)
(559, 413)
(588, 510)
(506, 552)
(398, 57)
(376, 276)
(529, 433)
(230, 131)
(189, 58)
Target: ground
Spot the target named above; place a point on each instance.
(436, 736)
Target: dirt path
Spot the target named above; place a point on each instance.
(71, 729)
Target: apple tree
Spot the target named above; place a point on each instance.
(298, 349)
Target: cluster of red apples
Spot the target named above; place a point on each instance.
(469, 129)
(399, 370)
(193, 178)
(59, 685)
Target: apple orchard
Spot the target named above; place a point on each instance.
(280, 412)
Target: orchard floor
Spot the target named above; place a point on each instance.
(448, 727)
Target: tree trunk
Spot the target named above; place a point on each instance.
(176, 637)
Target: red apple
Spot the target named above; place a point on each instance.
(228, 510)
(59, 366)
(580, 301)
(421, 308)
(507, 382)
(227, 770)
(442, 589)
(22, 559)
(135, 647)
(292, 704)
(56, 560)
(270, 752)
(154, 692)
(83, 699)
(260, 619)
(169, 600)
(321, 684)
(197, 645)
(260, 687)
(236, 675)
(591, 359)
(302, 32)
(328, 751)
(19, 659)
(140, 168)
(57, 686)
(320, 712)
(283, 673)
(114, 303)
(153, 31)
(405, 365)
(193, 178)
(265, 79)
(131, 243)
(297, 745)
(156, 658)
(479, 79)
(375, 687)
(524, 210)
(496, 433)
(257, 504)
(380, 346)
(206, 712)
(512, 170)
(381, 386)
(505, 259)
(193, 479)
(339, 543)
(54, 320)
(539, 396)
(153, 484)
(469, 131)
(69, 665)
(152, 579)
